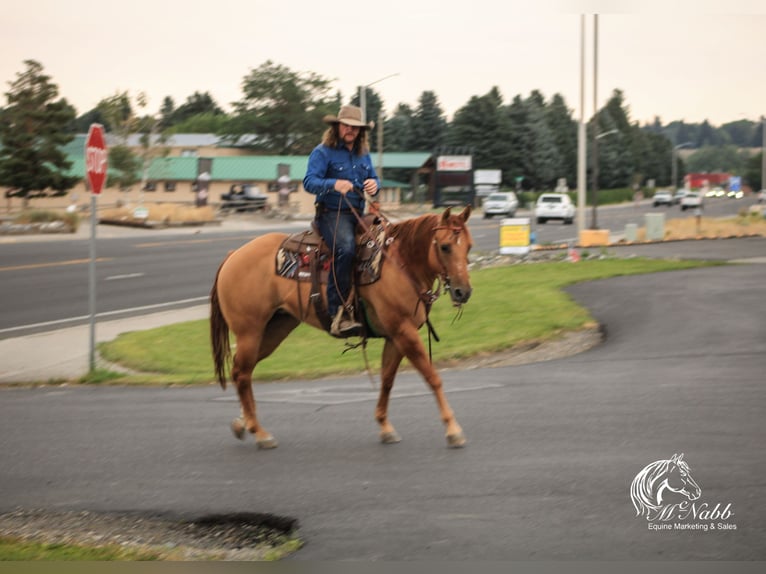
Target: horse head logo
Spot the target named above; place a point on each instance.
(659, 478)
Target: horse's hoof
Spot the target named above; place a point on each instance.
(266, 442)
(238, 428)
(391, 437)
(456, 440)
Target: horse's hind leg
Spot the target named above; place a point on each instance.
(277, 329)
(390, 364)
(242, 374)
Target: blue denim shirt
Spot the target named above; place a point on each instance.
(327, 165)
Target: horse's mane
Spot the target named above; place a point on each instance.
(413, 237)
(642, 490)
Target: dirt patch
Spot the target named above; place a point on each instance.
(242, 536)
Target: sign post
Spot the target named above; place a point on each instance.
(95, 169)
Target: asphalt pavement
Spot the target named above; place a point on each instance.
(553, 447)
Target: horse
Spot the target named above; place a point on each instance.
(262, 308)
(649, 486)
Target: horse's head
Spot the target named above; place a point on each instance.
(679, 478)
(452, 242)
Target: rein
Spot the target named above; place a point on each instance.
(428, 297)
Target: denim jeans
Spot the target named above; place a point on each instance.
(337, 230)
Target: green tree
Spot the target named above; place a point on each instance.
(753, 171)
(128, 163)
(543, 162)
(398, 129)
(33, 130)
(564, 129)
(196, 104)
(167, 110)
(283, 109)
(429, 125)
(206, 123)
(727, 158)
(373, 110)
(483, 126)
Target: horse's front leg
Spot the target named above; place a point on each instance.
(409, 344)
(391, 360)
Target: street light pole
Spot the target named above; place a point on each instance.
(763, 152)
(363, 105)
(582, 183)
(674, 166)
(594, 222)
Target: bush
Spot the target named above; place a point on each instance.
(72, 220)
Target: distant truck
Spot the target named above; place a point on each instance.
(241, 198)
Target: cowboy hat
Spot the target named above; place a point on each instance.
(351, 116)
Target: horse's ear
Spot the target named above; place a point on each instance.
(466, 213)
(446, 214)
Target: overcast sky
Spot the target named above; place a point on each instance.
(677, 59)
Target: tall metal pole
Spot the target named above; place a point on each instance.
(674, 169)
(594, 221)
(581, 147)
(763, 153)
(92, 284)
(379, 167)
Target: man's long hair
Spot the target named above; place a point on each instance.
(331, 138)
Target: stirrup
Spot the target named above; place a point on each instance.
(343, 326)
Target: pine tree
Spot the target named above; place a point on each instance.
(33, 130)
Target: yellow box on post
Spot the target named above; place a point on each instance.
(514, 236)
(594, 237)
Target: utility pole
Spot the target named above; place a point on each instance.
(763, 152)
(594, 222)
(582, 182)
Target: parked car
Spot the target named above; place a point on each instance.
(554, 206)
(500, 203)
(692, 200)
(762, 196)
(662, 197)
(679, 195)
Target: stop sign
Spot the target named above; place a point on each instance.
(96, 158)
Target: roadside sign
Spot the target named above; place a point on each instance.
(96, 158)
(515, 236)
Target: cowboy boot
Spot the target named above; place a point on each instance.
(342, 326)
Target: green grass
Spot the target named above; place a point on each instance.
(21, 551)
(510, 305)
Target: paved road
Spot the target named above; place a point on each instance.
(553, 447)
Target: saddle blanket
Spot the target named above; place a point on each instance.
(304, 253)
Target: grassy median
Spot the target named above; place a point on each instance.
(511, 305)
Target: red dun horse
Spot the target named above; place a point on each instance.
(261, 308)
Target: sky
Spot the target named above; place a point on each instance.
(690, 60)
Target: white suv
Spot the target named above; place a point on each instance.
(500, 203)
(692, 200)
(554, 206)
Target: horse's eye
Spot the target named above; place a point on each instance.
(446, 248)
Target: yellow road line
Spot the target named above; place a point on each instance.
(53, 264)
(190, 241)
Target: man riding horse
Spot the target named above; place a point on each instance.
(339, 173)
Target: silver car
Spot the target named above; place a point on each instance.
(500, 203)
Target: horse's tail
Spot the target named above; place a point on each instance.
(219, 334)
